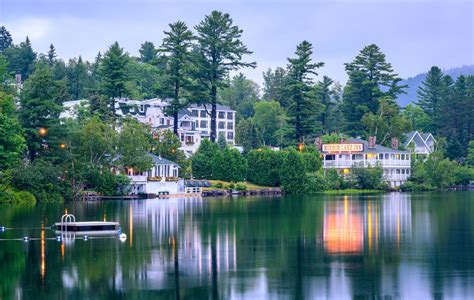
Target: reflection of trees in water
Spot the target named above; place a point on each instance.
(300, 246)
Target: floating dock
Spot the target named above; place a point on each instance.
(68, 224)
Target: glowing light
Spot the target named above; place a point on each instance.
(345, 171)
(62, 146)
(43, 255)
(300, 147)
(42, 131)
(130, 225)
(371, 155)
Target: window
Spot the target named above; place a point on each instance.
(403, 171)
(398, 171)
(162, 121)
(380, 156)
(221, 125)
(194, 113)
(203, 124)
(230, 116)
(221, 115)
(230, 125)
(197, 124)
(230, 135)
(203, 113)
(386, 155)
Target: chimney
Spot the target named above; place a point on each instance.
(394, 143)
(372, 141)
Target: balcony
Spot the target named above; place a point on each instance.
(137, 178)
(365, 163)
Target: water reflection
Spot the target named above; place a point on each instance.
(395, 245)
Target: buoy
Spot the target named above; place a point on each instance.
(85, 238)
(2, 229)
(26, 239)
(123, 237)
(58, 238)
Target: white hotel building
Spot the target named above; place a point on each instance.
(194, 122)
(396, 164)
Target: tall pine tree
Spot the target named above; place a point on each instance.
(5, 39)
(219, 50)
(304, 108)
(176, 45)
(371, 78)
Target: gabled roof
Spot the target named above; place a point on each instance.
(220, 107)
(158, 160)
(410, 136)
(426, 136)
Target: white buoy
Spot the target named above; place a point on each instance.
(58, 238)
(85, 238)
(2, 229)
(26, 239)
(123, 237)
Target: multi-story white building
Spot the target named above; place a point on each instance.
(419, 142)
(396, 164)
(194, 122)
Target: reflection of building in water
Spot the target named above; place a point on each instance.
(343, 228)
(351, 224)
(176, 231)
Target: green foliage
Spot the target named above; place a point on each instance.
(246, 135)
(113, 74)
(221, 141)
(176, 46)
(435, 171)
(202, 160)
(292, 172)
(43, 179)
(219, 50)
(273, 86)
(40, 108)
(463, 175)
(97, 143)
(386, 123)
(335, 181)
(12, 142)
(304, 107)
(167, 144)
(370, 79)
(17, 197)
(418, 119)
(147, 52)
(311, 159)
(106, 183)
(368, 178)
(315, 183)
(5, 39)
(133, 145)
(229, 165)
(264, 167)
(241, 94)
(79, 80)
(470, 154)
(21, 59)
(240, 186)
(269, 119)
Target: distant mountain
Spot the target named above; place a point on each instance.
(414, 82)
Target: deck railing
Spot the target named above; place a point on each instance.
(365, 163)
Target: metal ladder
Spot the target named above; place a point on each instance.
(66, 219)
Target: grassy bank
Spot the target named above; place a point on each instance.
(224, 185)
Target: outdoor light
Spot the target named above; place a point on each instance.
(62, 146)
(42, 131)
(300, 147)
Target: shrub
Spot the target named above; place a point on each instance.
(368, 178)
(231, 186)
(463, 175)
(17, 197)
(218, 185)
(315, 182)
(411, 186)
(240, 186)
(292, 172)
(264, 167)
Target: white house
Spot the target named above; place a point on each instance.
(162, 178)
(396, 164)
(419, 143)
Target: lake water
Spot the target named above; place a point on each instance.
(398, 245)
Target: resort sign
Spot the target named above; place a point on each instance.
(357, 147)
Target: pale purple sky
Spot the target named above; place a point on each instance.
(414, 34)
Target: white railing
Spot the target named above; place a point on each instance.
(365, 163)
(137, 178)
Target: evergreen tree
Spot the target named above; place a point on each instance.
(113, 74)
(240, 94)
(370, 79)
(79, 80)
(40, 108)
(417, 117)
(5, 39)
(246, 135)
(51, 54)
(292, 172)
(176, 45)
(269, 118)
(148, 52)
(21, 59)
(221, 141)
(324, 95)
(273, 86)
(433, 90)
(203, 159)
(219, 50)
(133, 145)
(304, 108)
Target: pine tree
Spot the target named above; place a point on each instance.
(219, 50)
(113, 74)
(370, 79)
(5, 39)
(176, 45)
(304, 107)
(51, 54)
(431, 94)
(21, 59)
(324, 95)
(273, 86)
(148, 52)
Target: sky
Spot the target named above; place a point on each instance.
(413, 34)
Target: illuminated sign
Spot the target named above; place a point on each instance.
(359, 147)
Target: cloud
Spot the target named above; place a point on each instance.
(37, 29)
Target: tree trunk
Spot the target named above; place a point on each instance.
(213, 113)
(176, 107)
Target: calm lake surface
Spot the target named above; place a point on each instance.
(398, 245)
